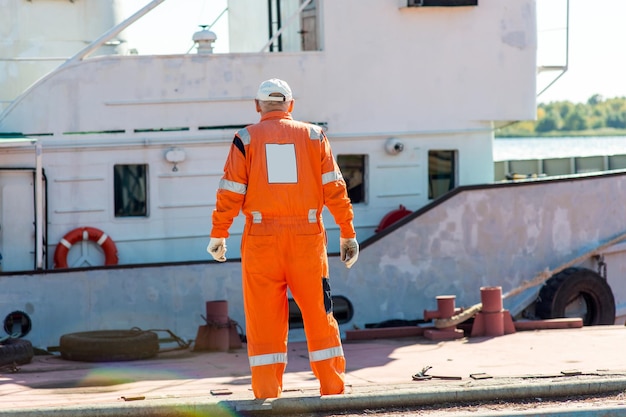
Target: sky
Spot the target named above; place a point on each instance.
(595, 57)
(169, 27)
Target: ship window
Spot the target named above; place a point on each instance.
(289, 35)
(342, 311)
(130, 187)
(441, 172)
(353, 171)
(308, 27)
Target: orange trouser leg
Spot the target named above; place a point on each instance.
(311, 291)
(267, 380)
(331, 373)
(267, 315)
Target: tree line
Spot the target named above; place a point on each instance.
(597, 117)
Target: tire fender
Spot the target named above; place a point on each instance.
(109, 345)
(577, 284)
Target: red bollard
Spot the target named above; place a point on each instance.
(445, 310)
(492, 320)
(215, 335)
(491, 298)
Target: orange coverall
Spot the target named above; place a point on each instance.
(281, 173)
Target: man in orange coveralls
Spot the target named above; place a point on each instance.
(281, 173)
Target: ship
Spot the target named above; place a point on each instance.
(110, 160)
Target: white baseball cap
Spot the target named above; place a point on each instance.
(273, 86)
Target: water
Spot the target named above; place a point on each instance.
(506, 149)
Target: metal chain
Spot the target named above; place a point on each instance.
(216, 324)
(181, 343)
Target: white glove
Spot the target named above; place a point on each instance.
(349, 250)
(217, 248)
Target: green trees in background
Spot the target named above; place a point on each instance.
(597, 117)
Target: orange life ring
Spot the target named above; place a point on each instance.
(85, 233)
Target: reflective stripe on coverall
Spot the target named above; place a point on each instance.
(281, 173)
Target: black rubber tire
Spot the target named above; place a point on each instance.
(574, 285)
(109, 345)
(16, 351)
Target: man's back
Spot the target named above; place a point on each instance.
(284, 159)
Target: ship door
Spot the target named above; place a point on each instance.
(308, 27)
(17, 219)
